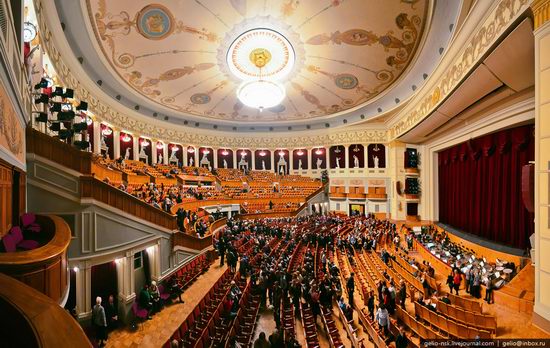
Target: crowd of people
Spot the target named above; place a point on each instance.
(276, 282)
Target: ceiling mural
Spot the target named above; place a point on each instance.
(174, 53)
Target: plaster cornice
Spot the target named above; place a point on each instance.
(495, 24)
(438, 87)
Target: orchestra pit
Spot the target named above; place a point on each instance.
(286, 173)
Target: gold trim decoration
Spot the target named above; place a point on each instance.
(541, 12)
(493, 27)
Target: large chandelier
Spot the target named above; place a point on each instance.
(261, 94)
(261, 58)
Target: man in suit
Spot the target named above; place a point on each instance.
(111, 313)
(351, 288)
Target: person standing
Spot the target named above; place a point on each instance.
(100, 322)
(489, 291)
(111, 313)
(402, 294)
(383, 319)
(457, 279)
(351, 288)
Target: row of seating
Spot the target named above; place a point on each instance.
(189, 272)
(423, 331)
(466, 303)
(244, 324)
(289, 327)
(449, 327)
(368, 324)
(483, 321)
(409, 268)
(192, 328)
(309, 325)
(409, 278)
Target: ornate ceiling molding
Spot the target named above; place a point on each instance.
(428, 98)
(158, 129)
(495, 24)
(541, 12)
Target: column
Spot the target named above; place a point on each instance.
(215, 157)
(154, 261)
(97, 137)
(309, 153)
(154, 151)
(185, 157)
(126, 283)
(83, 288)
(253, 159)
(136, 145)
(291, 161)
(116, 143)
(273, 162)
(541, 259)
(235, 163)
(165, 153)
(346, 153)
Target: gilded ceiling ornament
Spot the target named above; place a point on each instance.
(288, 7)
(155, 22)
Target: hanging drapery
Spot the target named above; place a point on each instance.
(480, 186)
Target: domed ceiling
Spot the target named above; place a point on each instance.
(174, 53)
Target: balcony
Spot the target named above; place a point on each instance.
(43, 268)
(35, 320)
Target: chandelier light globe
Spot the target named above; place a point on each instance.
(261, 94)
(144, 143)
(225, 153)
(160, 146)
(107, 131)
(300, 152)
(126, 138)
(318, 152)
(191, 149)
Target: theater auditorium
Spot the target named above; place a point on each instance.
(282, 173)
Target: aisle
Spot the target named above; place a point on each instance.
(155, 332)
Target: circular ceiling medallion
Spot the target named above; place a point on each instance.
(200, 98)
(248, 55)
(346, 81)
(155, 22)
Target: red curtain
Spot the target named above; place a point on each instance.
(480, 186)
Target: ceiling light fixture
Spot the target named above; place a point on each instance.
(282, 153)
(206, 151)
(107, 131)
(225, 153)
(261, 94)
(261, 57)
(144, 143)
(191, 149)
(318, 152)
(126, 138)
(243, 153)
(160, 145)
(300, 153)
(262, 153)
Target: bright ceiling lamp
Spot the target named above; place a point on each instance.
(190, 149)
(318, 152)
(261, 57)
(300, 153)
(225, 153)
(126, 138)
(160, 145)
(144, 143)
(261, 94)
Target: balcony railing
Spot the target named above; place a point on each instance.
(91, 187)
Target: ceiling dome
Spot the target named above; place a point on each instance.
(179, 58)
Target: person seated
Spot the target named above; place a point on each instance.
(445, 299)
(155, 296)
(145, 300)
(176, 288)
